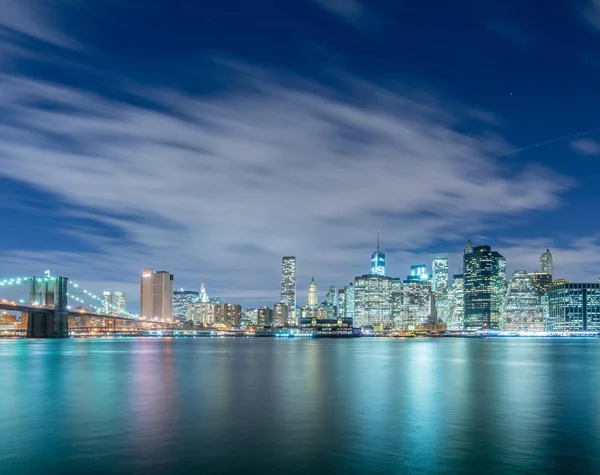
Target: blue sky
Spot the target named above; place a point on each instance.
(212, 138)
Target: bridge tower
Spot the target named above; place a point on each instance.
(48, 322)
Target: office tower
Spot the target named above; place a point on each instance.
(439, 282)
(182, 300)
(227, 314)
(280, 314)
(288, 286)
(378, 261)
(162, 284)
(419, 273)
(313, 299)
(156, 297)
(484, 274)
(546, 263)
(372, 301)
(203, 294)
(523, 309)
(468, 247)
(573, 307)
(349, 302)
(114, 302)
(331, 296)
(341, 298)
(541, 280)
(416, 303)
(252, 315)
(265, 316)
(202, 313)
(397, 299)
(147, 295)
(457, 303)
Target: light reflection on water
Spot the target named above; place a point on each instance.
(498, 406)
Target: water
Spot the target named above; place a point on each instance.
(267, 406)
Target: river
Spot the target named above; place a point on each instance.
(269, 406)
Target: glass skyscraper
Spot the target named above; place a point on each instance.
(457, 303)
(288, 286)
(484, 274)
(378, 261)
(573, 307)
(349, 306)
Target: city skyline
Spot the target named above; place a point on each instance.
(184, 161)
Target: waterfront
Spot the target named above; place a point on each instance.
(271, 406)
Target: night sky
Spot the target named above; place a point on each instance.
(210, 138)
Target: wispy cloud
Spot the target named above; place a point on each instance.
(228, 184)
(586, 146)
(353, 11)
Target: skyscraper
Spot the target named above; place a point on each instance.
(156, 295)
(523, 309)
(439, 284)
(484, 273)
(280, 314)
(378, 260)
(416, 299)
(469, 247)
(349, 306)
(114, 302)
(546, 263)
(372, 301)
(341, 303)
(573, 307)
(457, 303)
(147, 295)
(313, 298)
(182, 300)
(288, 286)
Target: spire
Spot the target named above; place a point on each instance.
(378, 241)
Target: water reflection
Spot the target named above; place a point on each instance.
(274, 406)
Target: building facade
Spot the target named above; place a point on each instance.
(280, 314)
(416, 304)
(484, 285)
(349, 306)
(546, 263)
(114, 302)
(288, 287)
(573, 307)
(156, 295)
(313, 298)
(372, 301)
(456, 296)
(523, 308)
(182, 300)
(265, 316)
(439, 283)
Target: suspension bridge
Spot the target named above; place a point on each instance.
(46, 313)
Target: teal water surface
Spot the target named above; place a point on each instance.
(268, 406)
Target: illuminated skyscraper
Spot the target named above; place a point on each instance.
(469, 247)
(523, 309)
(416, 298)
(280, 314)
(373, 301)
(349, 307)
(162, 284)
(397, 299)
(573, 307)
(439, 283)
(546, 263)
(484, 286)
(457, 303)
(378, 260)
(182, 300)
(147, 295)
(114, 302)
(341, 303)
(288, 286)
(313, 298)
(156, 297)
